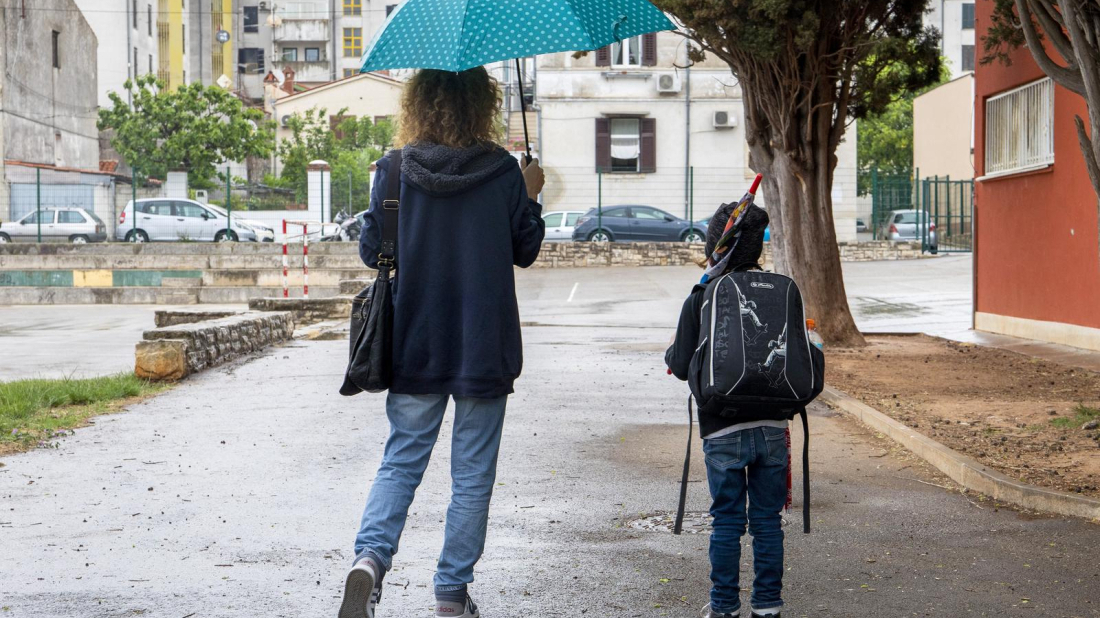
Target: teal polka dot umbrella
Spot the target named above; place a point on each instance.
(455, 35)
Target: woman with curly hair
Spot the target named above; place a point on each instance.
(468, 214)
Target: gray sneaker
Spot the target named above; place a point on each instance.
(454, 609)
(362, 591)
(707, 612)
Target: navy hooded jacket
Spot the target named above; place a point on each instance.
(465, 221)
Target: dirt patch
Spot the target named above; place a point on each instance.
(1028, 418)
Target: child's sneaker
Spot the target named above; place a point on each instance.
(456, 609)
(775, 615)
(362, 591)
(707, 612)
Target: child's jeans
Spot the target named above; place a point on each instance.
(752, 463)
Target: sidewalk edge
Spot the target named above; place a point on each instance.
(964, 470)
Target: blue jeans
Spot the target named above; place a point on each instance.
(414, 427)
(752, 463)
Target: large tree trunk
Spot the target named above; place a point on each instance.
(803, 243)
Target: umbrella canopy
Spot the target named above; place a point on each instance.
(455, 35)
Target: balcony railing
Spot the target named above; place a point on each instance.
(303, 30)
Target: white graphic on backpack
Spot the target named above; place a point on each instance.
(748, 309)
(773, 367)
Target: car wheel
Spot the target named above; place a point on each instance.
(225, 236)
(4, 238)
(691, 236)
(600, 236)
(137, 236)
(79, 239)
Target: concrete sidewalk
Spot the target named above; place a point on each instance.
(238, 494)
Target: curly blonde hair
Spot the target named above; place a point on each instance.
(450, 109)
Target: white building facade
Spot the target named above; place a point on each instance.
(628, 125)
(955, 21)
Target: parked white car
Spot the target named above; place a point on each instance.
(264, 232)
(59, 224)
(175, 219)
(560, 223)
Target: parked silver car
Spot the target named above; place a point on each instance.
(60, 224)
(264, 232)
(906, 225)
(168, 219)
(560, 223)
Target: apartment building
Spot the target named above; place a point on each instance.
(955, 21)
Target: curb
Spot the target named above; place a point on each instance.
(964, 470)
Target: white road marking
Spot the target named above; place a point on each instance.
(572, 293)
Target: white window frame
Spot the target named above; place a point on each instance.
(1019, 129)
(623, 59)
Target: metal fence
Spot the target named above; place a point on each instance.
(937, 211)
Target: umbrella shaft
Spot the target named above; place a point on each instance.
(523, 110)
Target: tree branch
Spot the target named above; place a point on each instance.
(1067, 77)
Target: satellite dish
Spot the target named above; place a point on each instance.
(222, 36)
(224, 82)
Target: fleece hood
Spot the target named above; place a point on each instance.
(442, 170)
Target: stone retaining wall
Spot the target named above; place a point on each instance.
(876, 250)
(174, 352)
(306, 310)
(187, 316)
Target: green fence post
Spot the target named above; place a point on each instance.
(38, 200)
(133, 201)
(228, 206)
(599, 202)
(691, 194)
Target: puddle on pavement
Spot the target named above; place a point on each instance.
(695, 522)
(875, 306)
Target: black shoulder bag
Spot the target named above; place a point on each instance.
(370, 365)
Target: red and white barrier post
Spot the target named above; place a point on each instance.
(286, 285)
(305, 257)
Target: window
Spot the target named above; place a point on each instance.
(134, 11)
(69, 216)
(353, 7)
(313, 54)
(968, 16)
(163, 209)
(56, 51)
(187, 209)
(353, 42)
(626, 144)
(150, 63)
(642, 212)
(1019, 128)
(968, 57)
(390, 8)
(251, 19)
(553, 220)
(250, 60)
(619, 213)
(571, 219)
(627, 53)
(42, 216)
(349, 72)
(135, 65)
(149, 21)
(290, 54)
(183, 37)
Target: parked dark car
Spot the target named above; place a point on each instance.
(704, 223)
(636, 223)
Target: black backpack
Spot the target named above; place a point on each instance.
(754, 360)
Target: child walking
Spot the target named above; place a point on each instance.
(745, 461)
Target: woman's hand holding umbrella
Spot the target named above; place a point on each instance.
(532, 176)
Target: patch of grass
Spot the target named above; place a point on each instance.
(1081, 415)
(34, 411)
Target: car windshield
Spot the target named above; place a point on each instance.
(217, 209)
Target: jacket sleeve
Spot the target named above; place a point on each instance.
(678, 356)
(528, 228)
(370, 237)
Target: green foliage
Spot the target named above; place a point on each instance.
(1081, 415)
(33, 410)
(885, 139)
(194, 128)
(349, 150)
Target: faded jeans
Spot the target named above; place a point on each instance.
(749, 463)
(414, 427)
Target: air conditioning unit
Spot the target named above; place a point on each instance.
(724, 120)
(285, 120)
(668, 82)
(201, 196)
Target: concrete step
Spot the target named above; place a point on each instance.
(23, 295)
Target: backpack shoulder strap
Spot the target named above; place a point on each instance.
(390, 209)
(679, 525)
(805, 471)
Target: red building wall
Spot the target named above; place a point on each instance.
(1037, 248)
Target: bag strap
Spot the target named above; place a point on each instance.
(390, 209)
(679, 525)
(805, 472)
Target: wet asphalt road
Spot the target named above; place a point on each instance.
(238, 494)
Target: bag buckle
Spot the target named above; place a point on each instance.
(385, 261)
(386, 204)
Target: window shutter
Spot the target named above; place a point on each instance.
(648, 164)
(603, 144)
(649, 49)
(603, 56)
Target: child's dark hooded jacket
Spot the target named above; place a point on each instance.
(465, 221)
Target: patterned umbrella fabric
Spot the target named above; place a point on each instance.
(455, 35)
